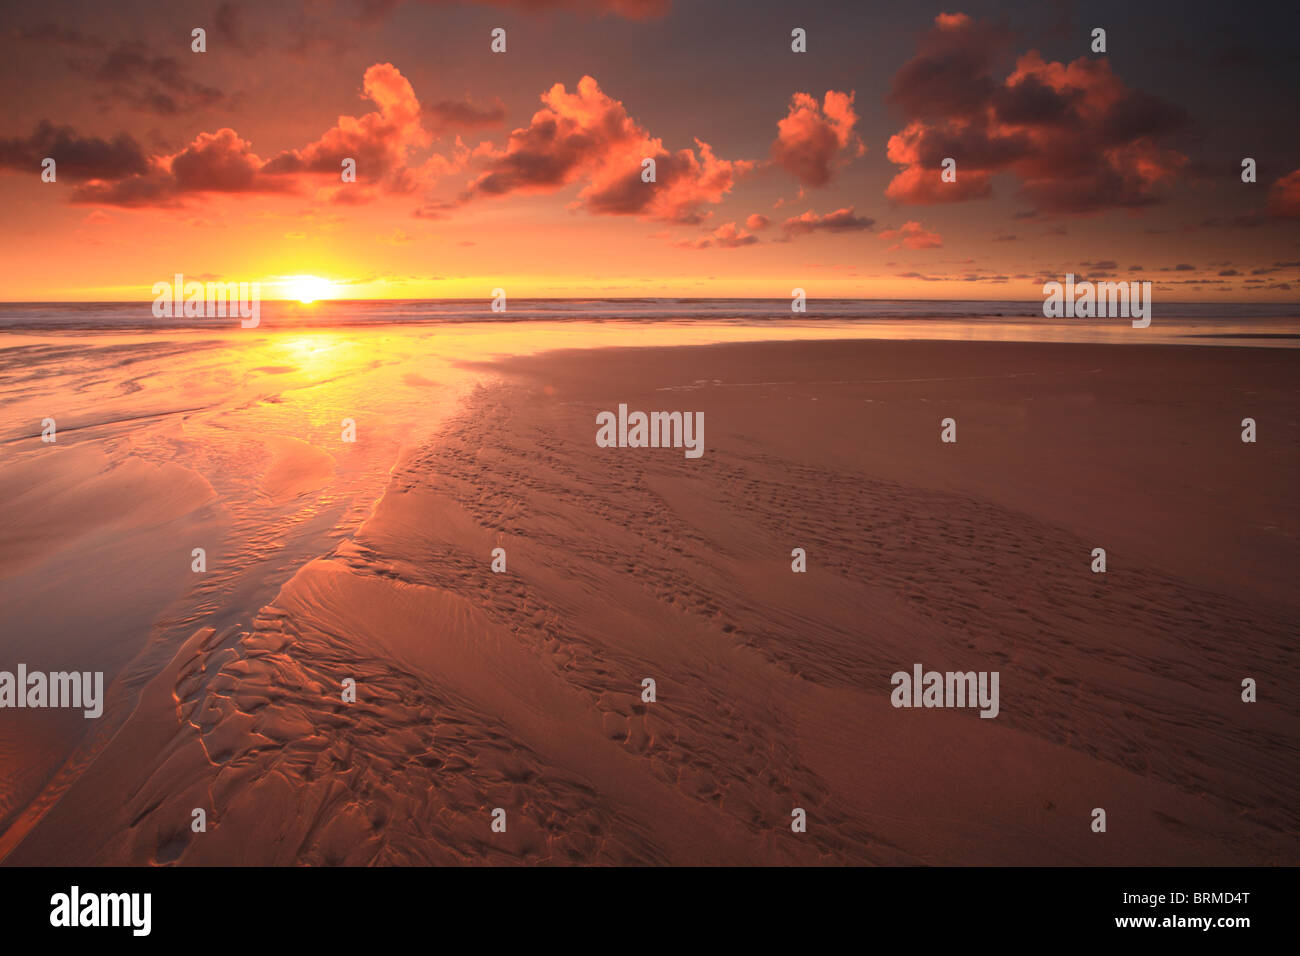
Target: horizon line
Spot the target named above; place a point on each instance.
(637, 298)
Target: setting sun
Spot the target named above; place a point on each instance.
(308, 289)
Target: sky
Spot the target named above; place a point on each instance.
(525, 170)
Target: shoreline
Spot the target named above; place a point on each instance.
(1281, 331)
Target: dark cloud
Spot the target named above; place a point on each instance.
(369, 11)
(76, 158)
(1075, 136)
(65, 36)
(463, 114)
(130, 73)
(841, 220)
(217, 162)
(1284, 197)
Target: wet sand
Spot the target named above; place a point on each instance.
(522, 690)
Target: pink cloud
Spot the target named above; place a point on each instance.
(912, 235)
(812, 140)
(728, 236)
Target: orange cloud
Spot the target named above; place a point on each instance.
(586, 136)
(728, 236)
(912, 235)
(379, 141)
(812, 141)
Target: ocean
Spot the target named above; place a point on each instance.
(1274, 325)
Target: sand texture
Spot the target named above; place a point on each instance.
(522, 690)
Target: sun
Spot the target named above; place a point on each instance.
(307, 289)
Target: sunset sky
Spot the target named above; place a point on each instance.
(775, 169)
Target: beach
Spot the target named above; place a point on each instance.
(522, 689)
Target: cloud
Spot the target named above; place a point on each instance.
(156, 84)
(463, 114)
(1075, 136)
(951, 74)
(380, 141)
(118, 173)
(76, 158)
(1284, 197)
(911, 235)
(841, 220)
(217, 162)
(812, 141)
(978, 275)
(228, 24)
(223, 162)
(434, 210)
(54, 33)
(371, 10)
(757, 222)
(586, 136)
(728, 236)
